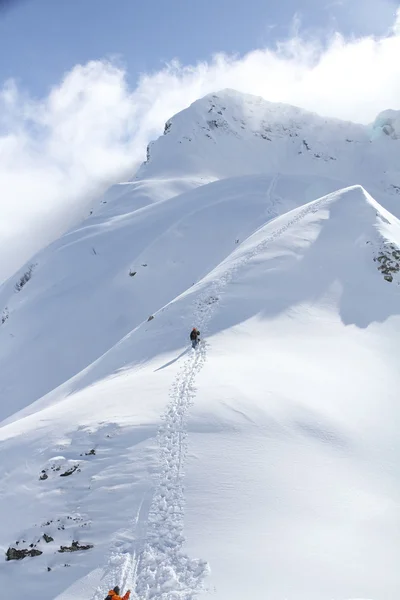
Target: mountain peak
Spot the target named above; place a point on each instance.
(228, 134)
(246, 223)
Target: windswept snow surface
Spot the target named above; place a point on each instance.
(225, 166)
(263, 464)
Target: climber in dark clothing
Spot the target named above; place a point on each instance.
(194, 337)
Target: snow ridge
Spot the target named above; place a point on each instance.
(157, 567)
(164, 571)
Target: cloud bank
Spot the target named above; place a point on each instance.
(58, 153)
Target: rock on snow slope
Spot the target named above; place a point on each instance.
(263, 464)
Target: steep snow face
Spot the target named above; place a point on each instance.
(199, 178)
(228, 134)
(283, 423)
(99, 282)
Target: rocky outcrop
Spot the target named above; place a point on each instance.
(75, 547)
(389, 261)
(19, 554)
(69, 472)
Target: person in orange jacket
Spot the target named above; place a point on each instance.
(114, 594)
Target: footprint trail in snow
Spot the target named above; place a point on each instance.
(160, 570)
(164, 571)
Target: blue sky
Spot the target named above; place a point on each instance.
(42, 39)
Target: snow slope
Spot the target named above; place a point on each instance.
(90, 308)
(253, 158)
(261, 464)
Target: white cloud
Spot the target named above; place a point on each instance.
(92, 130)
(54, 154)
(396, 26)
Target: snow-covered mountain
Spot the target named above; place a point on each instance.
(260, 465)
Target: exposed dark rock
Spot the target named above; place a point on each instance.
(150, 318)
(75, 547)
(43, 476)
(69, 472)
(388, 258)
(47, 538)
(24, 279)
(5, 315)
(14, 554)
(132, 273)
